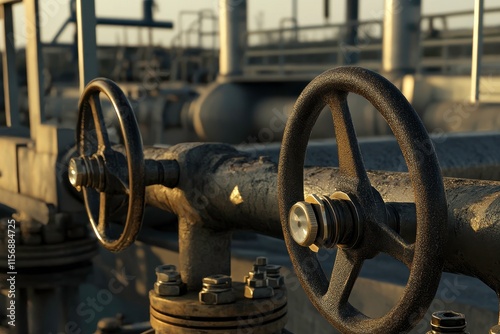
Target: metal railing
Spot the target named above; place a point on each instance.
(207, 52)
(443, 49)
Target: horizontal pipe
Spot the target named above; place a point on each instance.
(229, 191)
(472, 156)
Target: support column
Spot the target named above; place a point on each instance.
(232, 32)
(400, 45)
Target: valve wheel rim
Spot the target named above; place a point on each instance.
(91, 119)
(331, 88)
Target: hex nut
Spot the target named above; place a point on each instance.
(258, 293)
(220, 280)
(276, 282)
(167, 289)
(209, 297)
(169, 276)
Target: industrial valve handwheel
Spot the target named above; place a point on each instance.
(356, 217)
(102, 173)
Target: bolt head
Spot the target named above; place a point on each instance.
(303, 223)
(209, 297)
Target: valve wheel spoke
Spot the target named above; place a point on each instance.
(100, 127)
(393, 244)
(351, 163)
(344, 275)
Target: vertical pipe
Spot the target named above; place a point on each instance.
(477, 50)
(401, 36)
(232, 31)
(10, 83)
(43, 310)
(147, 10)
(326, 10)
(21, 312)
(351, 19)
(202, 252)
(295, 11)
(87, 50)
(34, 66)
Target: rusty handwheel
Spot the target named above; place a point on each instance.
(358, 216)
(101, 172)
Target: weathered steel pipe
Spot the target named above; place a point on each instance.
(232, 27)
(400, 36)
(225, 190)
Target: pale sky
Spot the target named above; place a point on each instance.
(269, 12)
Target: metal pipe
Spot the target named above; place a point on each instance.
(473, 156)
(43, 309)
(87, 45)
(400, 41)
(477, 50)
(242, 194)
(232, 32)
(351, 18)
(134, 23)
(10, 83)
